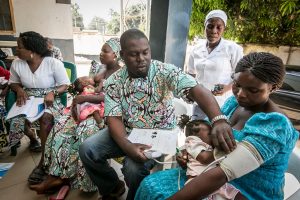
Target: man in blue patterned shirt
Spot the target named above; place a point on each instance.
(140, 95)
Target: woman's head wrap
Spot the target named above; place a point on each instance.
(115, 45)
(216, 13)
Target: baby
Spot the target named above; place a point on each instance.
(199, 147)
(85, 86)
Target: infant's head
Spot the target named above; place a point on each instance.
(199, 128)
(82, 82)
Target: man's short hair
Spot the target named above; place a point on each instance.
(129, 35)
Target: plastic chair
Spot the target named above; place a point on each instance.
(291, 186)
(72, 74)
(2, 63)
(71, 70)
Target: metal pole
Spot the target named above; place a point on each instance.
(148, 15)
(121, 17)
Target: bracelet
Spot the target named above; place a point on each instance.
(220, 117)
(55, 92)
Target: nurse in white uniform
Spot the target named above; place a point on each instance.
(213, 60)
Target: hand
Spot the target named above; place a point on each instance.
(49, 99)
(21, 97)
(182, 159)
(223, 88)
(222, 137)
(136, 152)
(79, 99)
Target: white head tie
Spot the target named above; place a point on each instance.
(216, 13)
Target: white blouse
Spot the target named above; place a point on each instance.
(216, 67)
(50, 73)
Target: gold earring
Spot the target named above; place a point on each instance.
(31, 56)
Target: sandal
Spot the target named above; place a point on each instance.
(37, 176)
(62, 193)
(35, 146)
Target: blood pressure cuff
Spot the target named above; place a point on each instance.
(244, 159)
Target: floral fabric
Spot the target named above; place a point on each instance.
(17, 124)
(62, 151)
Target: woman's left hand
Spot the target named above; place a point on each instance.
(49, 99)
(222, 136)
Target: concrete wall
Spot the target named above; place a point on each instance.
(289, 55)
(45, 17)
(48, 18)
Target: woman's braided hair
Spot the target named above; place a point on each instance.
(264, 66)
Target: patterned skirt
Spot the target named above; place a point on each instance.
(17, 124)
(4, 137)
(62, 151)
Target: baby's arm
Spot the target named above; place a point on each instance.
(199, 150)
(205, 157)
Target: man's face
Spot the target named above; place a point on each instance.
(137, 57)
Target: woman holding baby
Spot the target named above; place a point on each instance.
(62, 163)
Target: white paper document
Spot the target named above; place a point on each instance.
(161, 140)
(32, 110)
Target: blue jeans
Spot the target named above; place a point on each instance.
(94, 153)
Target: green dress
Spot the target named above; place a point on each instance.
(62, 151)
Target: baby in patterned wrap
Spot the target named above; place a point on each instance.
(199, 147)
(86, 86)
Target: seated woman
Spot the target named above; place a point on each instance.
(97, 68)
(37, 74)
(62, 163)
(266, 139)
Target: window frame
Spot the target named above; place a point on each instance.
(12, 17)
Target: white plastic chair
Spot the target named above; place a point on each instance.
(291, 186)
(181, 108)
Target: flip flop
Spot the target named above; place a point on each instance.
(61, 194)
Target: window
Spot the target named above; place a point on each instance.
(64, 1)
(7, 24)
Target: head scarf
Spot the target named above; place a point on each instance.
(115, 45)
(216, 13)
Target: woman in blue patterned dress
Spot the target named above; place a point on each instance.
(61, 160)
(266, 139)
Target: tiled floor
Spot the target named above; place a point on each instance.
(13, 186)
